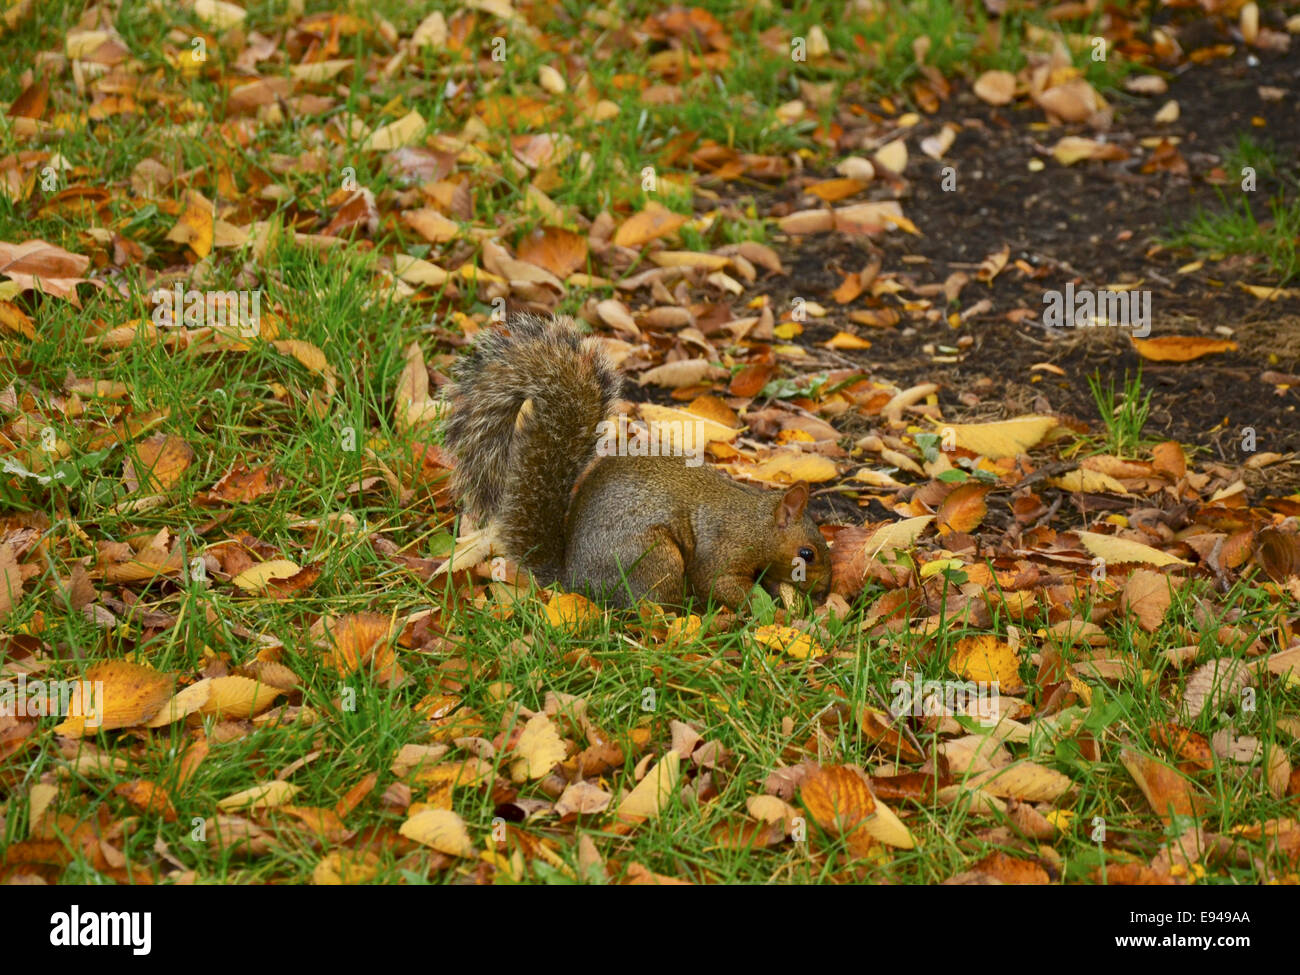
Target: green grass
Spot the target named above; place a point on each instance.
(1236, 229)
(1124, 413)
(724, 687)
(1262, 222)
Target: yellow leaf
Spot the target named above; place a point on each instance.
(265, 796)
(572, 613)
(256, 578)
(706, 430)
(219, 14)
(788, 640)
(115, 694)
(195, 228)
(713, 262)
(414, 270)
(897, 536)
(788, 466)
(1181, 348)
(405, 131)
(887, 828)
(1005, 438)
(847, 340)
(189, 700)
(540, 748)
(655, 791)
(1024, 780)
(1087, 481)
(1119, 550)
(440, 829)
(306, 353)
(235, 696)
(985, 659)
(318, 71)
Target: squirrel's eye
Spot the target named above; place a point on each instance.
(807, 554)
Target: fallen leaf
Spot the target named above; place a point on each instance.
(1005, 438)
(539, 749)
(653, 793)
(36, 265)
(266, 796)
(1167, 791)
(115, 694)
(655, 221)
(995, 87)
(440, 829)
(1181, 348)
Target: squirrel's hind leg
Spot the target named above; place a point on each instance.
(649, 566)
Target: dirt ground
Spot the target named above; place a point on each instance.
(1093, 223)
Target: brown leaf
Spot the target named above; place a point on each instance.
(653, 222)
(1168, 458)
(36, 265)
(1147, 595)
(834, 190)
(1012, 870)
(1168, 791)
(1213, 685)
(240, 484)
(31, 103)
(558, 250)
(750, 380)
(1074, 101)
(158, 464)
(431, 225)
(1277, 553)
(191, 759)
(358, 640)
(995, 87)
(15, 320)
(11, 579)
(1188, 745)
(837, 797)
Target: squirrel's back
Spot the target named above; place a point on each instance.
(527, 401)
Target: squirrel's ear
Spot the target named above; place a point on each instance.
(790, 508)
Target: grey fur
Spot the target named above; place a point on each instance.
(523, 479)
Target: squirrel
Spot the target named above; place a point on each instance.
(528, 403)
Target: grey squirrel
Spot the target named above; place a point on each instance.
(528, 401)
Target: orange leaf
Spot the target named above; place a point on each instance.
(1168, 791)
(655, 221)
(837, 797)
(963, 509)
(149, 798)
(31, 103)
(558, 250)
(834, 190)
(849, 289)
(1181, 348)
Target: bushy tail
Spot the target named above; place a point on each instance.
(527, 402)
